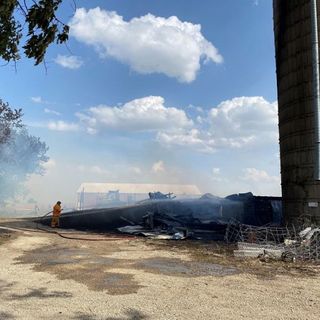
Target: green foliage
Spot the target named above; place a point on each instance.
(21, 154)
(43, 28)
(10, 31)
(9, 119)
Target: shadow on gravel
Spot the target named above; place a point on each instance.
(5, 286)
(5, 235)
(131, 314)
(6, 316)
(181, 268)
(84, 266)
(42, 294)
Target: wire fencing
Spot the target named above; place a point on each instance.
(288, 243)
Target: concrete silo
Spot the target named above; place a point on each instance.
(297, 62)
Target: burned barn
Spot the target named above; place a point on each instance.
(106, 195)
(206, 214)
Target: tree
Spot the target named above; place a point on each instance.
(39, 20)
(9, 119)
(21, 154)
(35, 21)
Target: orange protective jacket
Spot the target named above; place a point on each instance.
(56, 210)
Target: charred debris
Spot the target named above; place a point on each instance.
(163, 216)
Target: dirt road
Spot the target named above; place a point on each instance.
(44, 276)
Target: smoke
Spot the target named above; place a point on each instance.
(20, 156)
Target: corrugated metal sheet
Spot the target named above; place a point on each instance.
(177, 189)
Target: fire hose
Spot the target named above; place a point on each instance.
(64, 235)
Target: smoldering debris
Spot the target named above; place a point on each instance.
(165, 217)
(159, 234)
(206, 217)
(268, 243)
(253, 223)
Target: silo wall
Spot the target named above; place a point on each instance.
(293, 48)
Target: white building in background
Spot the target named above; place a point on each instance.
(103, 195)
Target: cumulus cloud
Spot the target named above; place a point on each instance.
(195, 108)
(255, 175)
(62, 126)
(242, 119)
(158, 167)
(37, 99)
(235, 123)
(69, 62)
(50, 111)
(148, 44)
(261, 182)
(193, 138)
(145, 114)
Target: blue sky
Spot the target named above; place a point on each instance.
(155, 92)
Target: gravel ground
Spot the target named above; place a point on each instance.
(43, 276)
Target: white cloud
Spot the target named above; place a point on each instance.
(158, 167)
(94, 169)
(255, 175)
(260, 182)
(62, 126)
(216, 171)
(199, 119)
(98, 170)
(148, 44)
(197, 109)
(145, 114)
(135, 170)
(49, 164)
(235, 123)
(91, 131)
(244, 119)
(216, 175)
(188, 138)
(50, 111)
(37, 99)
(70, 62)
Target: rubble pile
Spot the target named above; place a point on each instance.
(203, 218)
(275, 243)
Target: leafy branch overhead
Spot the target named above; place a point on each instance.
(42, 28)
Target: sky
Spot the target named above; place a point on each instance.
(169, 91)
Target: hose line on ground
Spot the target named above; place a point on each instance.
(63, 235)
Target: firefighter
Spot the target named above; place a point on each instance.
(56, 215)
